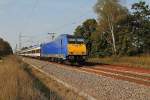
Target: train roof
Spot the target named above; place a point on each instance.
(70, 36)
(35, 47)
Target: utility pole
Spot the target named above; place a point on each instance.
(20, 41)
(21, 37)
(16, 48)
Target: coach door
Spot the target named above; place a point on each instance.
(61, 47)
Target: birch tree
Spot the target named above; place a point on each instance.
(109, 12)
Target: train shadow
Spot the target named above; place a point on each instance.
(88, 64)
(77, 65)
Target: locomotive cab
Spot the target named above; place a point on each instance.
(76, 49)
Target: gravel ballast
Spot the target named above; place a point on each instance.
(100, 87)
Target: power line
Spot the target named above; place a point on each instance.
(32, 12)
(21, 39)
(72, 23)
(65, 25)
(33, 8)
(29, 21)
(58, 28)
(10, 3)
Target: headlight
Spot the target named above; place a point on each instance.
(70, 52)
(83, 53)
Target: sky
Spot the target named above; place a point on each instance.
(35, 18)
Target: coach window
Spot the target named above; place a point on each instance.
(38, 50)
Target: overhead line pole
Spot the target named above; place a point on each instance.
(20, 41)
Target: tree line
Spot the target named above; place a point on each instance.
(5, 48)
(117, 31)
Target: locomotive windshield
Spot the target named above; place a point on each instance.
(76, 40)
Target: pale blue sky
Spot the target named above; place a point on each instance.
(35, 18)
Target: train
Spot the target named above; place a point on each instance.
(64, 48)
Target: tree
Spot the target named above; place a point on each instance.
(117, 31)
(141, 16)
(24, 48)
(5, 48)
(124, 36)
(85, 30)
(109, 13)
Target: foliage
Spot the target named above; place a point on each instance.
(86, 30)
(141, 16)
(117, 31)
(24, 48)
(108, 16)
(5, 48)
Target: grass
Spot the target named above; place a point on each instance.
(17, 83)
(138, 61)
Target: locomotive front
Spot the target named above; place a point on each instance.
(76, 49)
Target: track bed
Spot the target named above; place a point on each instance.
(98, 85)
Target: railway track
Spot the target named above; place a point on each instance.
(131, 77)
(116, 72)
(113, 72)
(99, 81)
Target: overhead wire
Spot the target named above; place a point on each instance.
(5, 6)
(42, 36)
(71, 23)
(32, 13)
(30, 16)
(57, 28)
